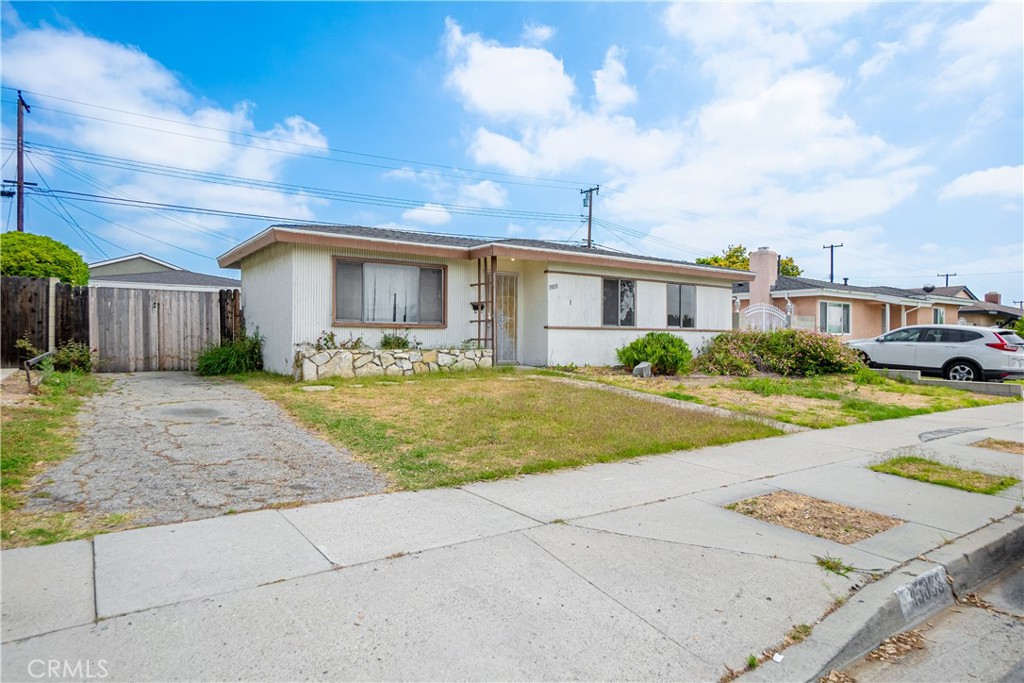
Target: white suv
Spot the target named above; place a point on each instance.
(967, 354)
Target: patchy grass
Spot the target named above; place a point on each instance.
(37, 432)
(821, 518)
(1015, 447)
(933, 472)
(816, 402)
(447, 429)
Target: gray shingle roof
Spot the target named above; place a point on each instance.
(995, 309)
(787, 283)
(469, 242)
(173, 277)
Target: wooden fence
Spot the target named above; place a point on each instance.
(43, 311)
(133, 330)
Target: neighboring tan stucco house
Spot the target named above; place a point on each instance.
(852, 311)
(530, 301)
(990, 312)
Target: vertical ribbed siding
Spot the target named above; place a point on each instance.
(267, 303)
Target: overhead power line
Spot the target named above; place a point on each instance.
(506, 177)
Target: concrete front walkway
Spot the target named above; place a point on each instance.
(622, 571)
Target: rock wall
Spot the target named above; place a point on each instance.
(311, 365)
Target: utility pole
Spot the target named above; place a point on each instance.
(945, 275)
(22, 108)
(832, 260)
(1019, 303)
(588, 202)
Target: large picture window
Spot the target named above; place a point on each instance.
(682, 305)
(619, 303)
(388, 293)
(834, 318)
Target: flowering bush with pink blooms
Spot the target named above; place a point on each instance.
(784, 352)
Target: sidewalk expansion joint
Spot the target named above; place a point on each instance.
(605, 593)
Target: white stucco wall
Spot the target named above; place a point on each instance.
(597, 347)
(575, 331)
(267, 303)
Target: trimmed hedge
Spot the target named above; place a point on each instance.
(784, 352)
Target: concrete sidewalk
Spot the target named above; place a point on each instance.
(629, 571)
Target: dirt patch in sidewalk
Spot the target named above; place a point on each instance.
(1015, 447)
(821, 518)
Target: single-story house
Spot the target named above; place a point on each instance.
(141, 271)
(851, 311)
(990, 312)
(530, 301)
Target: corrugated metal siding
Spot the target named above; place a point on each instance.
(714, 308)
(651, 301)
(574, 300)
(267, 302)
(534, 313)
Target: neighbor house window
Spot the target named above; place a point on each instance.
(834, 318)
(682, 305)
(939, 316)
(619, 303)
(388, 293)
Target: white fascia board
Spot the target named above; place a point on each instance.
(101, 284)
(140, 255)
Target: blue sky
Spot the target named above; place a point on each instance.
(895, 129)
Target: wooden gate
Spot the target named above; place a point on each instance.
(150, 329)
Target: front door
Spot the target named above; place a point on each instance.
(505, 317)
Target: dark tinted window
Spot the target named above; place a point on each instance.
(908, 335)
(1010, 336)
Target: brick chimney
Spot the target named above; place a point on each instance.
(764, 263)
(993, 298)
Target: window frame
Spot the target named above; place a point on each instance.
(618, 289)
(823, 305)
(336, 322)
(938, 316)
(693, 318)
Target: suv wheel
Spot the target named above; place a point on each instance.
(963, 371)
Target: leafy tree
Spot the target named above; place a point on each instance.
(738, 258)
(26, 255)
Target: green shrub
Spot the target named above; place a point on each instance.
(74, 356)
(398, 340)
(244, 354)
(667, 353)
(785, 352)
(24, 254)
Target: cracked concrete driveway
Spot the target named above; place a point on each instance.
(171, 446)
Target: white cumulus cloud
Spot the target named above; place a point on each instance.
(610, 86)
(1005, 181)
(507, 82)
(428, 214)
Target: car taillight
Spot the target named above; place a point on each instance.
(1002, 345)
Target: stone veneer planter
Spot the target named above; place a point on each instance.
(311, 365)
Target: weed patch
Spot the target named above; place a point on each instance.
(933, 472)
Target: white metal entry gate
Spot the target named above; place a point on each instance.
(505, 317)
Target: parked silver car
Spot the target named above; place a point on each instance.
(952, 351)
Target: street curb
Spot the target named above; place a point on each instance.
(900, 601)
